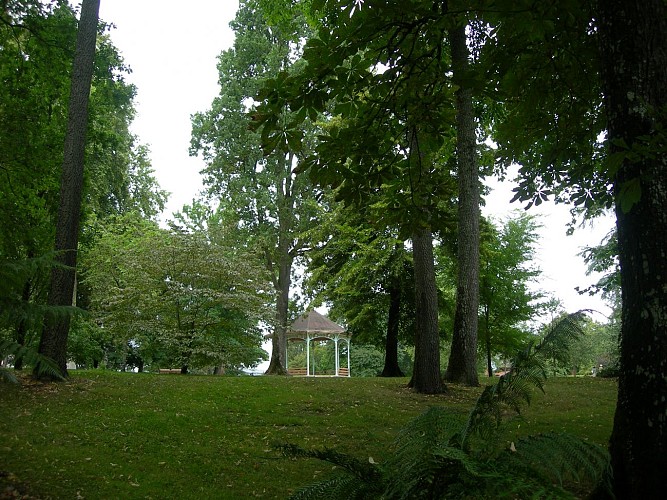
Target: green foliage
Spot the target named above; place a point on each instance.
(87, 343)
(603, 258)
(22, 308)
(368, 360)
(383, 83)
(354, 269)
(556, 106)
(13, 275)
(597, 348)
(37, 41)
(507, 272)
(557, 457)
(443, 454)
(177, 297)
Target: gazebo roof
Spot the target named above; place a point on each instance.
(314, 322)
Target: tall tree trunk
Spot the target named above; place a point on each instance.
(391, 368)
(278, 363)
(634, 56)
(285, 259)
(56, 326)
(462, 366)
(426, 377)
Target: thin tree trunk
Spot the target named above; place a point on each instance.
(426, 377)
(634, 56)
(56, 326)
(487, 332)
(391, 368)
(22, 326)
(462, 366)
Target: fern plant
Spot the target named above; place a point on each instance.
(13, 308)
(444, 454)
(43, 366)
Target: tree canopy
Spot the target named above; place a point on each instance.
(260, 190)
(182, 299)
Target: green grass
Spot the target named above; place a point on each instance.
(121, 435)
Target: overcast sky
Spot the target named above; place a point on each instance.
(172, 47)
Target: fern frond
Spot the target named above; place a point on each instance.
(8, 377)
(557, 457)
(364, 470)
(337, 487)
(42, 364)
(427, 456)
(435, 455)
(514, 389)
(14, 273)
(562, 334)
(434, 426)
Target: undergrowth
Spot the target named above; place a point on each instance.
(444, 454)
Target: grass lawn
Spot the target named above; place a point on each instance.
(124, 435)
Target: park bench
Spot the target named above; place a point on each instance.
(343, 372)
(297, 371)
(170, 370)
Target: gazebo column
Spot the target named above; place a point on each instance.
(308, 354)
(349, 369)
(337, 354)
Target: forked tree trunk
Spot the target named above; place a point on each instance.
(56, 326)
(634, 56)
(462, 365)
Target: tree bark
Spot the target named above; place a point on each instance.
(633, 48)
(426, 377)
(56, 326)
(487, 340)
(391, 368)
(462, 366)
(22, 325)
(278, 363)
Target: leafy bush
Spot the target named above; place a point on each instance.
(610, 371)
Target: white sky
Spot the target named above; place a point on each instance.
(172, 47)
(563, 269)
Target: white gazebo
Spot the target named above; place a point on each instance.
(312, 326)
